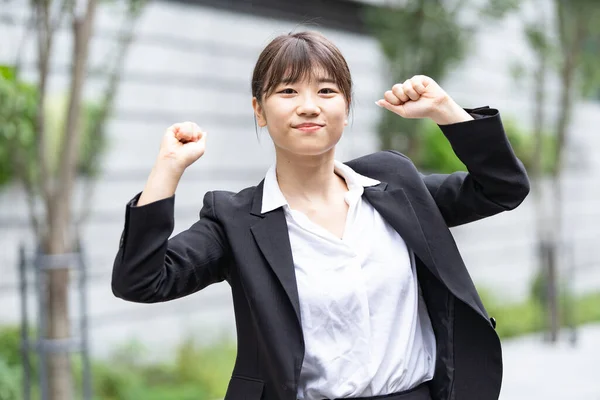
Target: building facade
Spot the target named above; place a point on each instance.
(192, 61)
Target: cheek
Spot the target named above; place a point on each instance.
(275, 113)
(341, 113)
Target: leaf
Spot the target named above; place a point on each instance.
(498, 9)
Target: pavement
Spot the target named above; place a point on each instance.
(535, 370)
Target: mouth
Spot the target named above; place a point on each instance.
(308, 127)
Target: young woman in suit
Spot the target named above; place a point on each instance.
(345, 278)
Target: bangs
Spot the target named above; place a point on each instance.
(300, 56)
(298, 60)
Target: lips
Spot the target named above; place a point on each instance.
(308, 125)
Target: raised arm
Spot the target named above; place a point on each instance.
(151, 268)
(496, 180)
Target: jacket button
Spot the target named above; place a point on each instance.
(493, 321)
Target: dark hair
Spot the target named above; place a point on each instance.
(294, 56)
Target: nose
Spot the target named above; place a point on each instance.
(308, 106)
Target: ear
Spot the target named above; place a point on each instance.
(261, 120)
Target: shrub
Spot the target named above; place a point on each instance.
(10, 381)
(436, 155)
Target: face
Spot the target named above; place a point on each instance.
(304, 118)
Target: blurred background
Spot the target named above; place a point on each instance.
(88, 87)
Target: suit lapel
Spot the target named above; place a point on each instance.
(395, 207)
(271, 234)
(272, 238)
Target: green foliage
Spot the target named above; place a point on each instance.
(18, 137)
(92, 142)
(435, 154)
(587, 308)
(516, 319)
(10, 382)
(11, 363)
(210, 366)
(590, 63)
(497, 9)
(524, 145)
(10, 339)
(197, 372)
(17, 128)
(113, 381)
(422, 37)
(177, 392)
(529, 316)
(203, 372)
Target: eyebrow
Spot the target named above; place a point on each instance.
(319, 80)
(327, 80)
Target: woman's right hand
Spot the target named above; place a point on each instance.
(182, 144)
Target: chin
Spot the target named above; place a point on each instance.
(307, 145)
(314, 146)
(309, 149)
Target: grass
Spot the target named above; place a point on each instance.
(198, 372)
(529, 316)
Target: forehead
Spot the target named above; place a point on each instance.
(314, 74)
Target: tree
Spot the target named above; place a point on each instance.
(418, 37)
(51, 185)
(426, 37)
(571, 52)
(577, 23)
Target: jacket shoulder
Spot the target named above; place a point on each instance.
(228, 201)
(383, 165)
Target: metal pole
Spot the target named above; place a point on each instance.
(24, 324)
(571, 295)
(40, 278)
(85, 354)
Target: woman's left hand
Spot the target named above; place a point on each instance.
(421, 97)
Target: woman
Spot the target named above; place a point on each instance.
(345, 278)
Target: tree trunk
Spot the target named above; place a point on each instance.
(541, 210)
(60, 239)
(553, 261)
(57, 303)
(572, 31)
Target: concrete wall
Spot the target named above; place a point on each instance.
(194, 63)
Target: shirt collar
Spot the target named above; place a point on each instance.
(273, 198)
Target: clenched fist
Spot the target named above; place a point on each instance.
(182, 144)
(421, 97)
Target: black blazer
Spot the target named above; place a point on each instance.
(234, 241)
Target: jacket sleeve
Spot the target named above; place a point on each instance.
(150, 267)
(496, 180)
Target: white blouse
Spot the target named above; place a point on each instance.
(366, 327)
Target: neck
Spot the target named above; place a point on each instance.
(308, 178)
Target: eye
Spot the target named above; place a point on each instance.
(327, 91)
(287, 91)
